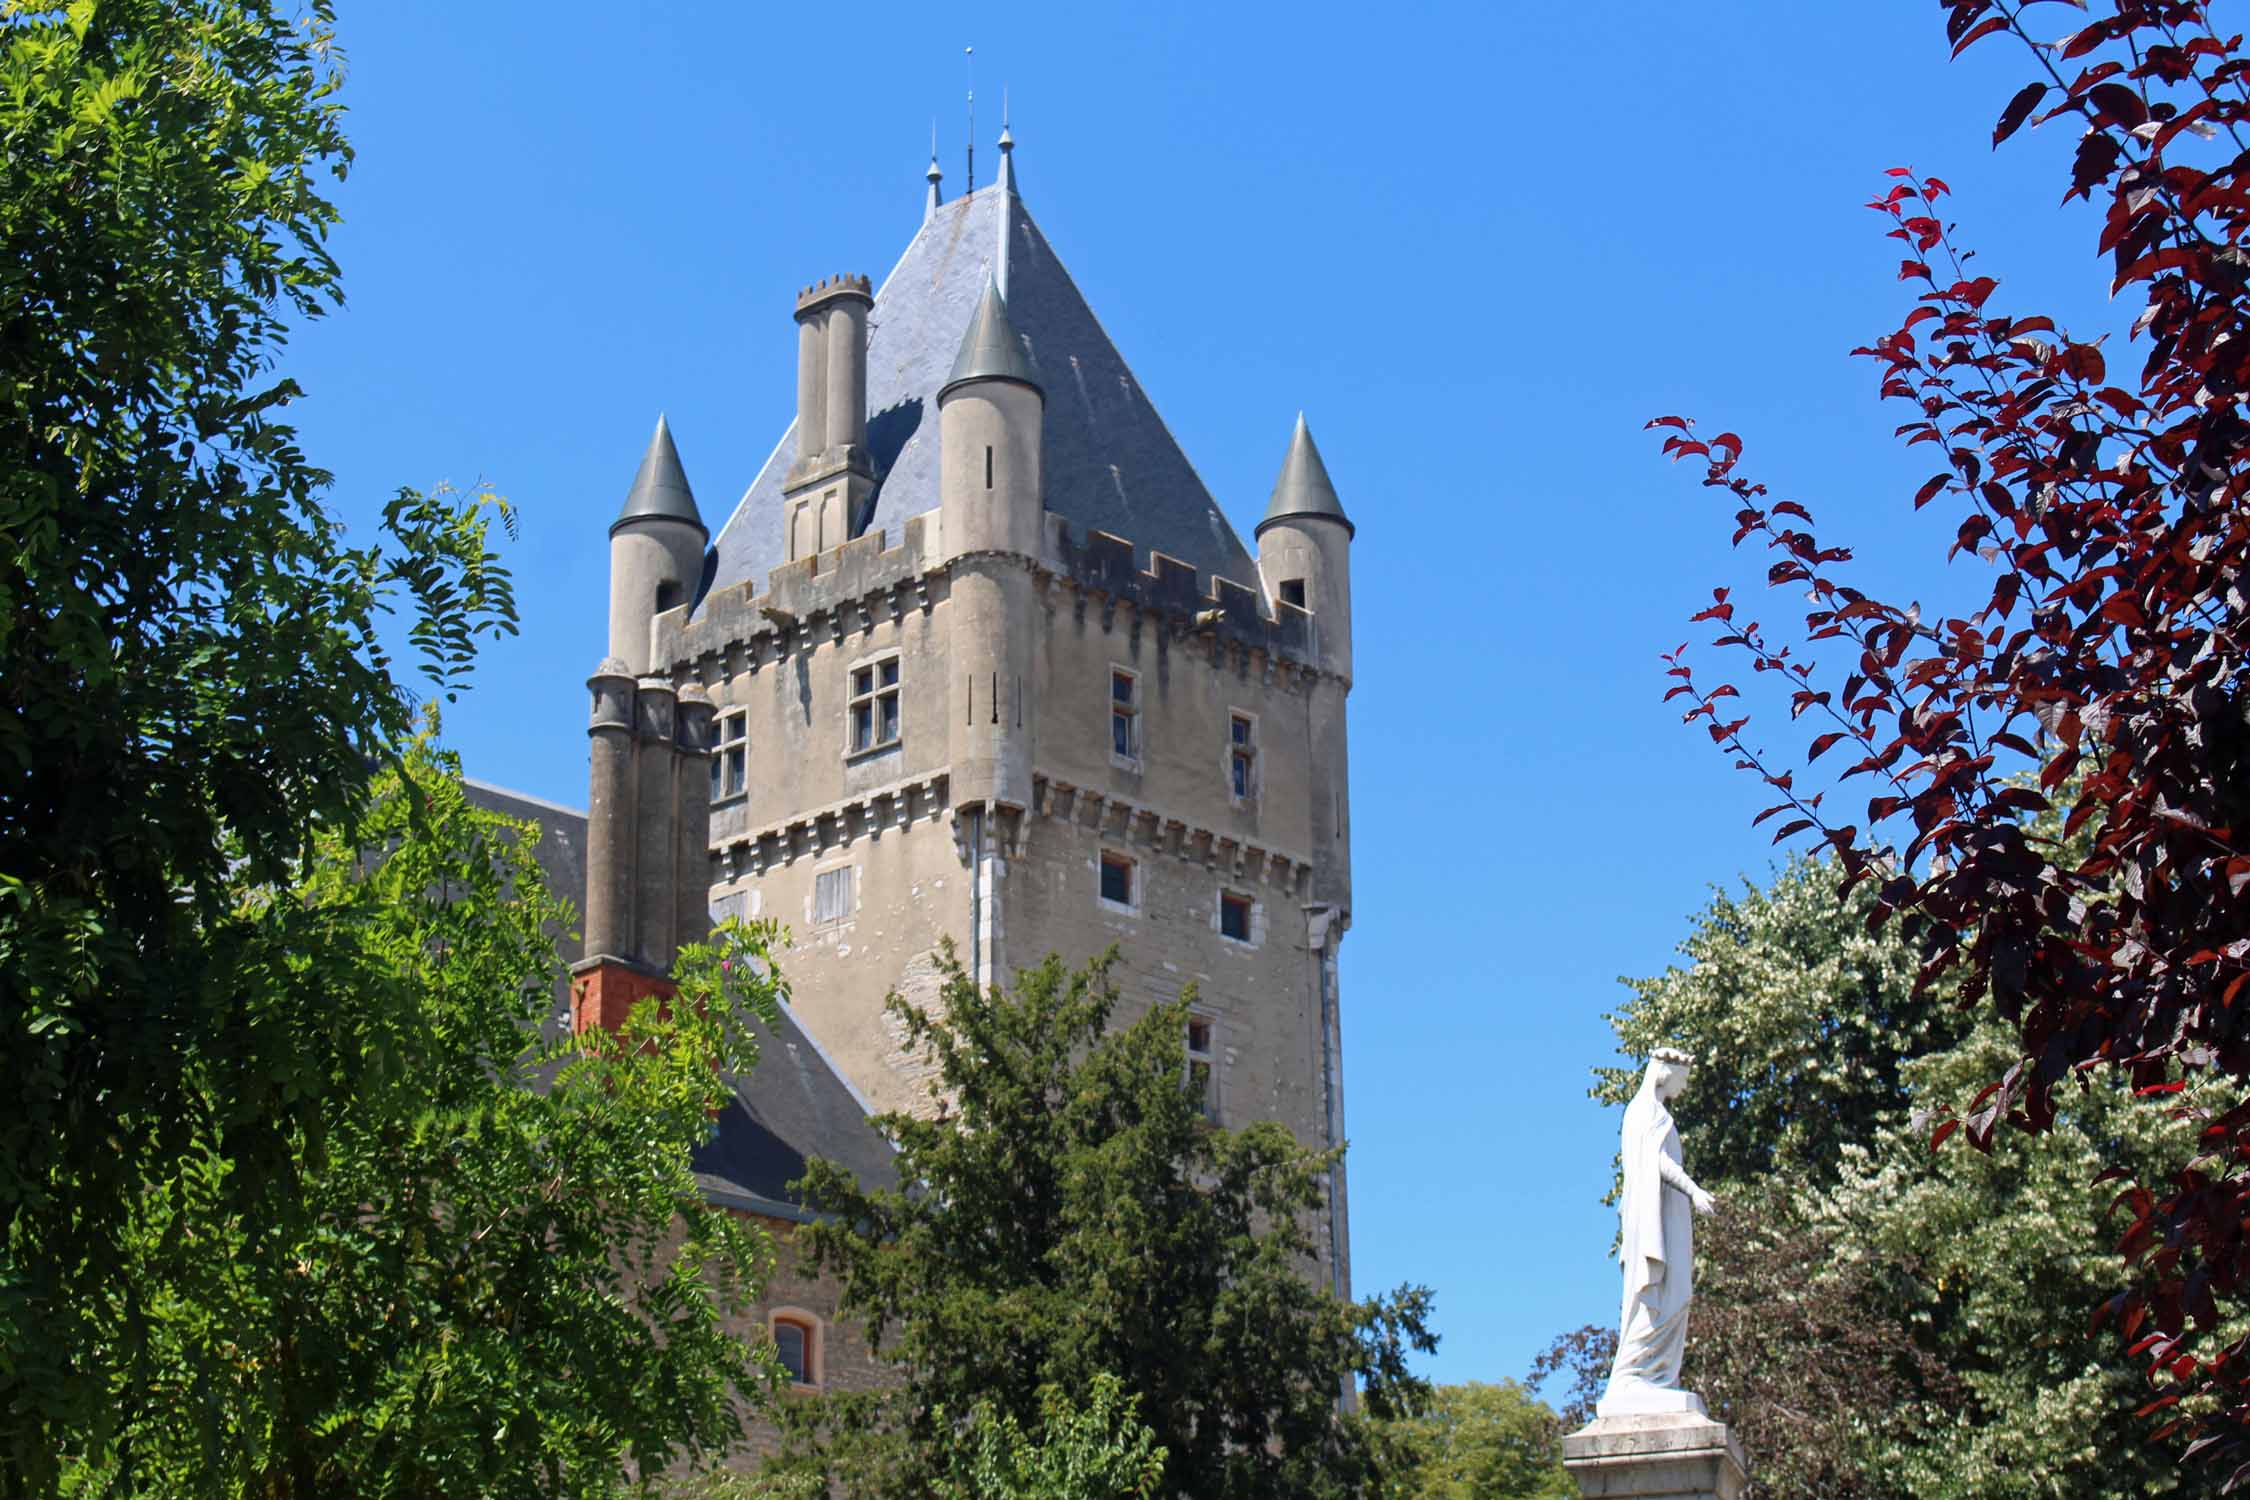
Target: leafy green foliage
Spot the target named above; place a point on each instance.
(1072, 1216)
(496, 1274)
(1801, 1021)
(278, 1214)
(1874, 1318)
(1483, 1442)
(1098, 1451)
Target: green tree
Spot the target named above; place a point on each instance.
(277, 1215)
(1096, 1451)
(497, 1273)
(1877, 1319)
(1071, 1216)
(1481, 1441)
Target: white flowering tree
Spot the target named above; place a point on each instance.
(1877, 1319)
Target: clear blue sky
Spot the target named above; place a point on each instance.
(1478, 244)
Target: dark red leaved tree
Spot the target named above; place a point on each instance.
(2112, 518)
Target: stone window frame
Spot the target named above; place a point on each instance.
(1133, 711)
(850, 871)
(1135, 876)
(730, 755)
(1253, 918)
(1204, 1057)
(814, 1330)
(1244, 752)
(876, 692)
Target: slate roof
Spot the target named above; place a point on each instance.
(792, 1107)
(1111, 464)
(992, 349)
(660, 488)
(1304, 488)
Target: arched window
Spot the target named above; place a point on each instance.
(796, 1338)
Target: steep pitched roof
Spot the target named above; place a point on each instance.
(1110, 463)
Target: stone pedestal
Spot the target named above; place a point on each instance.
(1681, 1455)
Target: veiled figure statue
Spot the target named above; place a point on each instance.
(1656, 1213)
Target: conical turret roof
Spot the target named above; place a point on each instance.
(992, 349)
(660, 490)
(1304, 488)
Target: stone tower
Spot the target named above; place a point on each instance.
(977, 659)
(648, 822)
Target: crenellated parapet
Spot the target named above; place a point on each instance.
(828, 598)
(1101, 573)
(847, 591)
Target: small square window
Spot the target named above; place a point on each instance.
(1293, 591)
(1124, 716)
(730, 756)
(1117, 879)
(832, 894)
(874, 709)
(1234, 916)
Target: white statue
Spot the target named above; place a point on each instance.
(1657, 1248)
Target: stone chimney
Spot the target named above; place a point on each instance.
(832, 477)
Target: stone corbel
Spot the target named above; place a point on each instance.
(1010, 826)
(1230, 852)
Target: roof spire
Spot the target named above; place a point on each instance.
(1007, 148)
(660, 490)
(992, 349)
(971, 54)
(935, 176)
(1304, 489)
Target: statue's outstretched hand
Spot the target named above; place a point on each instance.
(1703, 1201)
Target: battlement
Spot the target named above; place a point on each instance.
(1231, 614)
(829, 595)
(847, 589)
(829, 288)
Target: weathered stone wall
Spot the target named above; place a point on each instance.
(909, 893)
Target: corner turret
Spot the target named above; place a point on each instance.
(991, 410)
(655, 551)
(992, 514)
(647, 810)
(1304, 550)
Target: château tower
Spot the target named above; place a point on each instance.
(976, 658)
